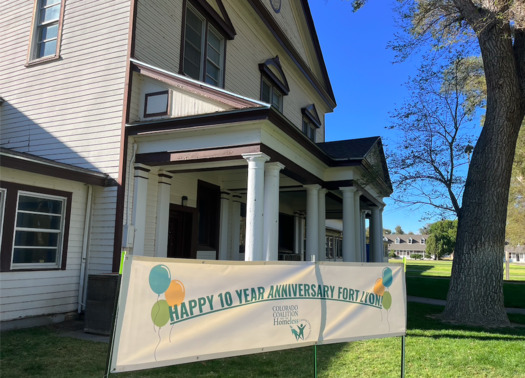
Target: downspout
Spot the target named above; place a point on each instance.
(85, 247)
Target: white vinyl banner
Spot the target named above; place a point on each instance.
(173, 311)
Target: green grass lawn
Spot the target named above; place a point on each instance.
(432, 350)
(431, 279)
(442, 268)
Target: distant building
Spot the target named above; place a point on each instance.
(406, 245)
(515, 253)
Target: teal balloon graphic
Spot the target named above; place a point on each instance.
(387, 277)
(160, 313)
(159, 279)
(387, 300)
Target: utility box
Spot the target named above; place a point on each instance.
(100, 303)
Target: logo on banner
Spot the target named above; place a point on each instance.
(302, 331)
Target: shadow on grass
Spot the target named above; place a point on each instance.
(422, 318)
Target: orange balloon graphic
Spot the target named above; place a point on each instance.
(379, 288)
(175, 293)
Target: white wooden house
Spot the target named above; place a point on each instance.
(185, 129)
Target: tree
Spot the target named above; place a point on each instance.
(442, 238)
(425, 230)
(428, 163)
(387, 231)
(498, 30)
(514, 233)
(399, 230)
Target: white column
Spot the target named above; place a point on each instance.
(348, 224)
(254, 206)
(357, 224)
(322, 224)
(312, 221)
(271, 211)
(376, 235)
(235, 226)
(140, 200)
(163, 214)
(224, 240)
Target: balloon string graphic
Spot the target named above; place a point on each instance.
(155, 352)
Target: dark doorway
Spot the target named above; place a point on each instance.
(182, 232)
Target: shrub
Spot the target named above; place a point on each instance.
(416, 256)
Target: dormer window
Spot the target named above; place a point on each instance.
(398, 240)
(409, 240)
(311, 122)
(423, 240)
(205, 34)
(273, 83)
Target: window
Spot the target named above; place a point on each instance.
(409, 240)
(311, 122)
(35, 229)
(271, 95)
(423, 241)
(203, 49)
(398, 240)
(273, 83)
(47, 29)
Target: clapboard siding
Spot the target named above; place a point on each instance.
(30, 293)
(158, 33)
(49, 103)
(102, 230)
(288, 23)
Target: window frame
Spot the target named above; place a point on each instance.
(13, 192)
(311, 122)
(272, 75)
(208, 27)
(33, 55)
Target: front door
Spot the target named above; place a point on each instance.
(181, 232)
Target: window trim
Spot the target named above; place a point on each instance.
(211, 20)
(32, 58)
(311, 121)
(9, 228)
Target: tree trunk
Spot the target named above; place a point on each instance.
(475, 296)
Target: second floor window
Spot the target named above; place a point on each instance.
(311, 122)
(203, 49)
(271, 95)
(47, 26)
(274, 85)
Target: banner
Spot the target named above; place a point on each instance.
(174, 311)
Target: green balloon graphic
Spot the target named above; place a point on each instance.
(160, 313)
(387, 300)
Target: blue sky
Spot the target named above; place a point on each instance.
(367, 85)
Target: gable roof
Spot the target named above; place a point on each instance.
(366, 151)
(350, 149)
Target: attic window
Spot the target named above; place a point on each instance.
(156, 104)
(311, 121)
(273, 83)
